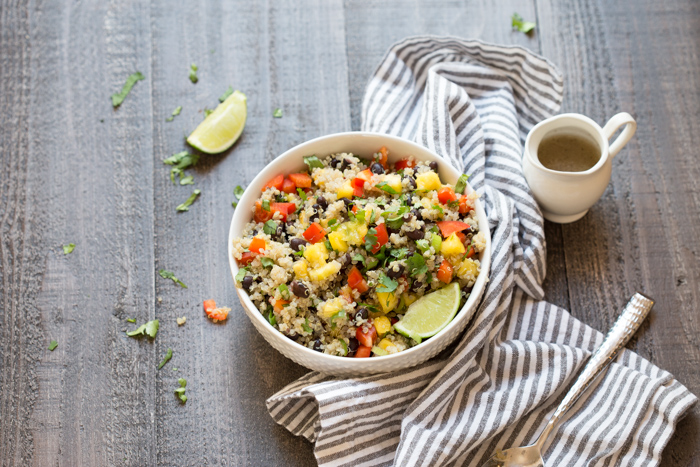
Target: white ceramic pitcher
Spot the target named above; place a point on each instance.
(566, 196)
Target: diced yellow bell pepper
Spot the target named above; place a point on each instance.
(388, 301)
(301, 269)
(331, 307)
(345, 191)
(452, 245)
(382, 325)
(467, 268)
(325, 271)
(317, 254)
(385, 344)
(337, 240)
(428, 181)
(354, 233)
(394, 181)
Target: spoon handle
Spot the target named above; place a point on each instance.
(626, 325)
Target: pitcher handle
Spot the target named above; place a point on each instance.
(614, 124)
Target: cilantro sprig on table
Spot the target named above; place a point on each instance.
(119, 97)
(188, 202)
(170, 275)
(180, 161)
(519, 24)
(149, 329)
(175, 113)
(68, 249)
(168, 356)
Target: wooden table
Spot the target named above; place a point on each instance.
(73, 169)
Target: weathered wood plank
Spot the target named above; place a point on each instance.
(289, 56)
(643, 232)
(72, 178)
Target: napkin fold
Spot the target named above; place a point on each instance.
(473, 103)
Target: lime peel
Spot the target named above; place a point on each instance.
(431, 313)
(222, 127)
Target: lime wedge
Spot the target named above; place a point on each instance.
(431, 313)
(222, 127)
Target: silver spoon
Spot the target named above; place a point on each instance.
(626, 325)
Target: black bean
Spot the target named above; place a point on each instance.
(314, 217)
(300, 289)
(415, 234)
(417, 213)
(296, 243)
(363, 313)
(416, 286)
(377, 168)
(335, 163)
(321, 201)
(348, 203)
(247, 282)
(392, 231)
(408, 217)
(345, 260)
(281, 230)
(395, 270)
(346, 163)
(317, 207)
(434, 166)
(412, 182)
(352, 346)
(294, 336)
(317, 345)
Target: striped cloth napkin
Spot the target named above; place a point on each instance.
(473, 103)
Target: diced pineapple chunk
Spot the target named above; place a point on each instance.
(345, 191)
(337, 240)
(385, 344)
(301, 269)
(388, 301)
(394, 181)
(382, 325)
(317, 254)
(325, 271)
(467, 269)
(428, 181)
(328, 309)
(452, 245)
(409, 298)
(354, 233)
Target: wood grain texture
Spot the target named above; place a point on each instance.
(72, 169)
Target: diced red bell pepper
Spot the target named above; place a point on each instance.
(314, 233)
(288, 186)
(284, 209)
(447, 228)
(365, 175)
(470, 251)
(363, 352)
(302, 180)
(260, 214)
(461, 236)
(354, 208)
(445, 272)
(384, 157)
(464, 205)
(276, 182)
(404, 163)
(257, 245)
(356, 281)
(446, 194)
(358, 191)
(366, 338)
(247, 257)
(278, 306)
(209, 306)
(382, 238)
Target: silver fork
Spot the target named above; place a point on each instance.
(626, 325)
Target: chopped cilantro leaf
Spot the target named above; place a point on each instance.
(131, 320)
(340, 314)
(207, 112)
(225, 95)
(169, 275)
(521, 25)
(189, 180)
(182, 382)
(240, 275)
(306, 326)
(399, 253)
(345, 347)
(277, 113)
(193, 73)
(234, 204)
(266, 205)
(175, 113)
(188, 202)
(439, 208)
(332, 221)
(180, 161)
(68, 249)
(267, 262)
(313, 162)
(360, 216)
(461, 183)
(302, 194)
(370, 238)
(52, 345)
(359, 258)
(416, 265)
(384, 186)
(168, 356)
(238, 191)
(371, 263)
(150, 329)
(271, 318)
(119, 97)
(270, 227)
(180, 392)
(387, 284)
(284, 291)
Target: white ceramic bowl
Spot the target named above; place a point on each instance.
(363, 144)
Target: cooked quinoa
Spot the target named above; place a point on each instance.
(334, 257)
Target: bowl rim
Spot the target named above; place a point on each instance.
(243, 216)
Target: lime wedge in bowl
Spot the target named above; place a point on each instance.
(222, 127)
(431, 313)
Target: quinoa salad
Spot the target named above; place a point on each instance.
(335, 255)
